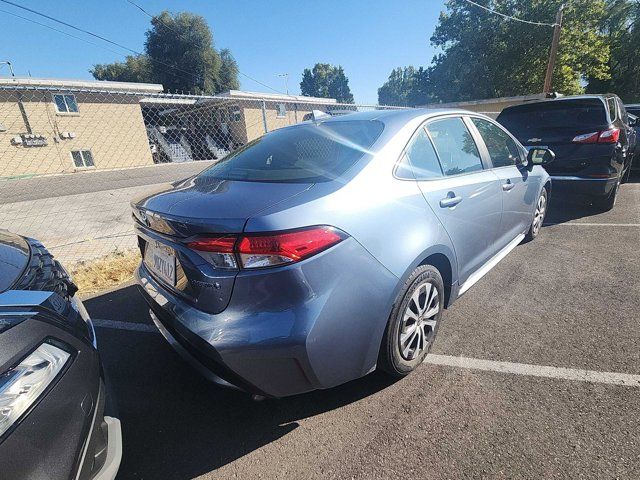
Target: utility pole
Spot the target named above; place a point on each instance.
(554, 50)
(286, 81)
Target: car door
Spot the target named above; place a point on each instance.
(461, 192)
(519, 186)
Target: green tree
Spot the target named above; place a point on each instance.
(406, 87)
(135, 68)
(228, 71)
(327, 81)
(622, 28)
(179, 54)
(485, 55)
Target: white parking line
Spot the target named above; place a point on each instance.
(591, 376)
(131, 326)
(584, 224)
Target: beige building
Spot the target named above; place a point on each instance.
(62, 126)
(491, 106)
(59, 126)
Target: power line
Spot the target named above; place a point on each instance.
(59, 31)
(192, 75)
(509, 17)
(150, 15)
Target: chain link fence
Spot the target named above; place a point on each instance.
(73, 156)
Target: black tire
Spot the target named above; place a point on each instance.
(607, 203)
(538, 218)
(627, 172)
(391, 359)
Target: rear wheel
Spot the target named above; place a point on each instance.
(608, 202)
(414, 322)
(538, 216)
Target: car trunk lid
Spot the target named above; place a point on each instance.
(170, 217)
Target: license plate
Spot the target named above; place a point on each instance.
(161, 260)
(529, 147)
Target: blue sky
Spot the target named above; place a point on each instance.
(368, 38)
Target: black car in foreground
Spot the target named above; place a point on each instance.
(54, 421)
(591, 136)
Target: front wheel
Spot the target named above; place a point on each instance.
(538, 216)
(413, 323)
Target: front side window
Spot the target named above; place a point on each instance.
(421, 158)
(502, 149)
(455, 146)
(304, 153)
(282, 110)
(82, 158)
(65, 103)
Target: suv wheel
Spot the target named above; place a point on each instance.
(608, 202)
(538, 216)
(414, 322)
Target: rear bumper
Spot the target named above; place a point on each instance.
(592, 187)
(288, 330)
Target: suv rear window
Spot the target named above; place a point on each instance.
(306, 153)
(579, 113)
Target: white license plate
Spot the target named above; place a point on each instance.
(161, 260)
(529, 147)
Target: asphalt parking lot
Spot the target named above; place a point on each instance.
(570, 299)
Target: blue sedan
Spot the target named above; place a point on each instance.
(324, 250)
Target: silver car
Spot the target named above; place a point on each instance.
(325, 250)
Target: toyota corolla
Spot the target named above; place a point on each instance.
(324, 250)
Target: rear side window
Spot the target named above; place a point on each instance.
(580, 114)
(455, 146)
(502, 149)
(613, 112)
(305, 153)
(420, 158)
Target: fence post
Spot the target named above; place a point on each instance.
(264, 117)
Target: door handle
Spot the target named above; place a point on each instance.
(450, 201)
(508, 186)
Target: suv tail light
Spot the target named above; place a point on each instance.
(603, 136)
(266, 249)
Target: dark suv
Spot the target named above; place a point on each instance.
(591, 135)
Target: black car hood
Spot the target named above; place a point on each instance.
(14, 257)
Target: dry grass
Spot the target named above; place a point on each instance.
(104, 273)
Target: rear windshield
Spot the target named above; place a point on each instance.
(306, 153)
(582, 113)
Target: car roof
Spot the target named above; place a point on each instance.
(397, 118)
(601, 97)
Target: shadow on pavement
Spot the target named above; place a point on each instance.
(565, 207)
(177, 425)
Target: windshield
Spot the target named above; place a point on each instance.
(580, 114)
(306, 153)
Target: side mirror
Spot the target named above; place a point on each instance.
(540, 156)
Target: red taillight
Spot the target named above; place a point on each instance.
(276, 249)
(267, 249)
(604, 136)
(213, 244)
(609, 136)
(586, 138)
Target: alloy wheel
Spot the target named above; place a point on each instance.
(538, 216)
(419, 321)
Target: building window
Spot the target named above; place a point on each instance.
(235, 114)
(82, 158)
(282, 110)
(65, 103)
